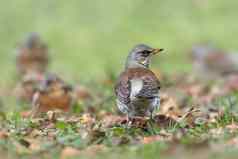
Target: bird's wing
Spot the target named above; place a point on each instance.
(151, 86)
(137, 82)
(221, 62)
(123, 89)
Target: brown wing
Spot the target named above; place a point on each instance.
(35, 59)
(220, 62)
(150, 88)
(123, 88)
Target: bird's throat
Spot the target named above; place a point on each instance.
(135, 64)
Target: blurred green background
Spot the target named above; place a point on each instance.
(87, 38)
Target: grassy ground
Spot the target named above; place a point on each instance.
(89, 39)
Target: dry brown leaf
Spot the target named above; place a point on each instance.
(162, 136)
(194, 116)
(138, 122)
(232, 127)
(68, 152)
(217, 132)
(73, 119)
(169, 107)
(26, 114)
(164, 121)
(150, 139)
(213, 114)
(93, 150)
(231, 84)
(233, 142)
(53, 115)
(111, 120)
(87, 120)
(3, 135)
(34, 144)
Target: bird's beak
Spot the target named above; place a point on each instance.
(156, 51)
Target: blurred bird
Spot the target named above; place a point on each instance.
(137, 89)
(32, 55)
(213, 61)
(26, 88)
(53, 94)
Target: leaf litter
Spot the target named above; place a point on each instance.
(195, 114)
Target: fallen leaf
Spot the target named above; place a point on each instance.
(3, 135)
(169, 107)
(231, 84)
(112, 120)
(150, 139)
(26, 114)
(68, 152)
(232, 128)
(87, 119)
(164, 121)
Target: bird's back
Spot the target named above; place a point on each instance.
(137, 86)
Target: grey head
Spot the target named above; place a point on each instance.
(53, 83)
(140, 56)
(200, 52)
(33, 40)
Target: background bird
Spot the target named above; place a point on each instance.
(137, 89)
(53, 94)
(32, 55)
(26, 88)
(211, 61)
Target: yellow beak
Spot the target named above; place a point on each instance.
(156, 51)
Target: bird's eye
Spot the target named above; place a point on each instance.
(145, 53)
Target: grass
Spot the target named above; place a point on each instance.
(90, 39)
(196, 143)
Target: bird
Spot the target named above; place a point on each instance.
(27, 86)
(32, 55)
(214, 62)
(137, 87)
(52, 94)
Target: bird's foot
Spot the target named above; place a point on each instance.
(137, 122)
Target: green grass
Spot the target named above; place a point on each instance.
(88, 39)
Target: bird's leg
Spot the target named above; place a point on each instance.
(151, 116)
(151, 124)
(35, 110)
(128, 121)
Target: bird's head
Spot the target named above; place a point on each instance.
(140, 56)
(202, 51)
(33, 41)
(53, 83)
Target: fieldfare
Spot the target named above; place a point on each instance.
(32, 55)
(52, 94)
(26, 88)
(137, 89)
(213, 61)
